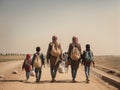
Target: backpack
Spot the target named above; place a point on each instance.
(27, 62)
(88, 56)
(75, 53)
(37, 61)
(56, 50)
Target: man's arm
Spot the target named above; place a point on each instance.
(83, 55)
(48, 54)
(93, 60)
(61, 56)
(43, 59)
(33, 58)
(69, 50)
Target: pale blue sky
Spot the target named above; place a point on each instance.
(25, 24)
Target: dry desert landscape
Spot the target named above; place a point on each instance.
(105, 76)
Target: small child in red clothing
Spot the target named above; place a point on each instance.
(27, 65)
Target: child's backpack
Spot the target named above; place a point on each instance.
(37, 61)
(27, 62)
(56, 50)
(75, 53)
(88, 56)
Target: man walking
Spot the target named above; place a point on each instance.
(74, 55)
(37, 62)
(54, 55)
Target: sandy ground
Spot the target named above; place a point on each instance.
(17, 81)
(7, 66)
(110, 62)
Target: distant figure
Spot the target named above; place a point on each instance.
(63, 66)
(37, 61)
(87, 59)
(74, 55)
(27, 65)
(54, 55)
(65, 56)
(65, 59)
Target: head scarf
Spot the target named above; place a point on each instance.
(74, 39)
(54, 38)
(28, 56)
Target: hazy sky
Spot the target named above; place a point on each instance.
(25, 24)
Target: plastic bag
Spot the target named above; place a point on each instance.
(62, 67)
(32, 72)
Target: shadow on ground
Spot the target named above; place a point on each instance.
(42, 82)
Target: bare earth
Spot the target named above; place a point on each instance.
(109, 62)
(17, 81)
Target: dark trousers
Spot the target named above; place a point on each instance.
(27, 75)
(53, 72)
(73, 72)
(38, 72)
(74, 68)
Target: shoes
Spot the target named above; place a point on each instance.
(74, 80)
(37, 80)
(53, 80)
(26, 79)
(87, 80)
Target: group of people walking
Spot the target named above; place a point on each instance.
(55, 56)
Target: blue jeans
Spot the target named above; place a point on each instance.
(74, 73)
(87, 71)
(38, 73)
(53, 72)
(27, 75)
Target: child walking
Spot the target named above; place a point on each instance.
(27, 65)
(87, 60)
(38, 61)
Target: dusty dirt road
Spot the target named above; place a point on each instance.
(17, 81)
